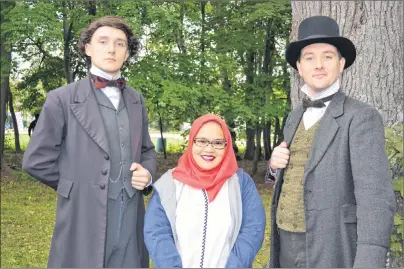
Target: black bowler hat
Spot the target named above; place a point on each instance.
(320, 29)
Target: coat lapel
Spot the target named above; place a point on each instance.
(134, 109)
(87, 112)
(326, 131)
(294, 121)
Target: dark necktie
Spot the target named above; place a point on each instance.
(100, 82)
(316, 103)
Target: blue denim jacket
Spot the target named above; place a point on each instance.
(161, 240)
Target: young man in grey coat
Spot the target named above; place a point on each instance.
(333, 201)
(92, 145)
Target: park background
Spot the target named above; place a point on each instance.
(197, 57)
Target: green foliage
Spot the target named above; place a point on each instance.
(175, 148)
(398, 184)
(394, 148)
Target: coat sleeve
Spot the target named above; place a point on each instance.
(374, 192)
(158, 236)
(148, 155)
(251, 235)
(41, 156)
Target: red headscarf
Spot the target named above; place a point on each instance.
(189, 173)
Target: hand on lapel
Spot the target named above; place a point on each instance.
(140, 176)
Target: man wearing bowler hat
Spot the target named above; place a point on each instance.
(333, 201)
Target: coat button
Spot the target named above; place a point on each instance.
(102, 186)
(106, 157)
(104, 172)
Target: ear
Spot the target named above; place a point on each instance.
(88, 50)
(298, 68)
(341, 64)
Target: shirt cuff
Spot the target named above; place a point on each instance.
(272, 172)
(151, 179)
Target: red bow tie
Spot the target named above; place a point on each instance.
(100, 82)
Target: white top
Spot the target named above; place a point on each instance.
(190, 218)
(314, 114)
(113, 93)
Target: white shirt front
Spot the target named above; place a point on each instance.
(113, 93)
(314, 114)
(190, 218)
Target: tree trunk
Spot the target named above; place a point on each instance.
(267, 68)
(67, 36)
(15, 124)
(233, 134)
(375, 27)
(5, 89)
(203, 33)
(257, 154)
(162, 137)
(5, 54)
(180, 39)
(92, 7)
(249, 72)
(280, 131)
(250, 147)
(267, 140)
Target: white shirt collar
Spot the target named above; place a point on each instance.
(327, 92)
(98, 72)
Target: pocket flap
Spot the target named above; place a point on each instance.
(64, 187)
(349, 213)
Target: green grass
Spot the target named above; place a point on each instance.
(27, 220)
(9, 141)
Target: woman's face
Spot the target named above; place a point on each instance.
(209, 146)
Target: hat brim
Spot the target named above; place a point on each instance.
(344, 45)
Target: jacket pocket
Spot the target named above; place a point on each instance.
(349, 213)
(64, 187)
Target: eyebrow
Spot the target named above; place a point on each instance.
(311, 53)
(107, 37)
(330, 51)
(306, 53)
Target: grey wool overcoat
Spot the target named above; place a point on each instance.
(348, 195)
(69, 152)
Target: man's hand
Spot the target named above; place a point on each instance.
(280, 157)
(140, 176)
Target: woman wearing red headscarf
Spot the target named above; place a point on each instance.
(206, 212)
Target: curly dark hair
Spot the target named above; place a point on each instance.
(111, 21)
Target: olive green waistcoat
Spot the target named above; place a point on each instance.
(290, 213)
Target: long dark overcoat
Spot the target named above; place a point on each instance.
(69, 152)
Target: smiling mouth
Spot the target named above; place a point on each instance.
(110, 60)
(208, 158)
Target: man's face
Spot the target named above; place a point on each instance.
(108, 49)
(320, 66)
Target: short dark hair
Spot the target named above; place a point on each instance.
(111, 21)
